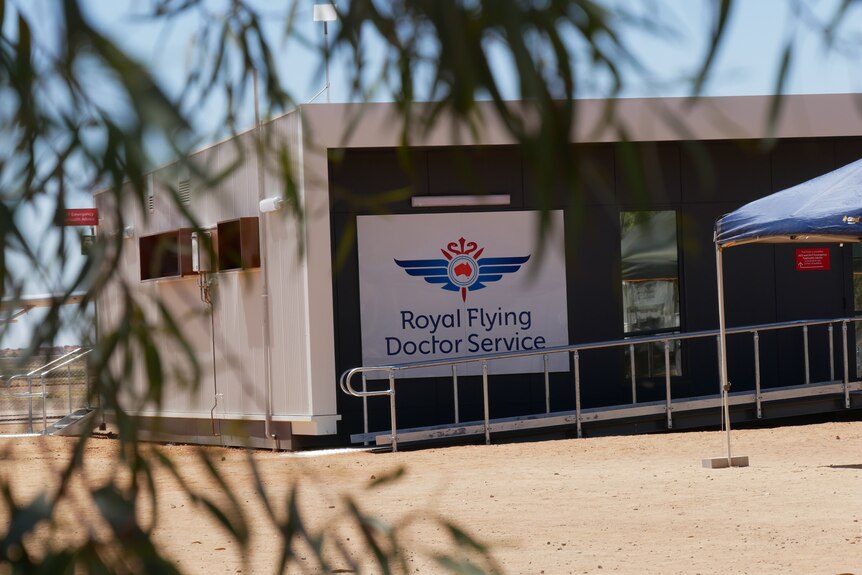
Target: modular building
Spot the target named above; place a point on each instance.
(446, 249)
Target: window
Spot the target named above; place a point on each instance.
(650, 286)
(238, 244)
(166, 255)
(857, 301)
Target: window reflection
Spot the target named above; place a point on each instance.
(650, 285)
(857, 302)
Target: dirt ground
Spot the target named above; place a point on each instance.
(635, 505)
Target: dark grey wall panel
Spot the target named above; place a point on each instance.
(761, 284)
(593, 170)
(647, 174)
(698, 263)
(807, 295)
(726, 172)
(795, 161)
(847, 150)
(460, 171)
(593, 275)
(370, 181)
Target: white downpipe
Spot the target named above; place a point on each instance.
(267, 370)
(722, 346)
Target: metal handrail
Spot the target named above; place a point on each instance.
(69, 357)
(65, 363)
(50, 363)
(346, 385)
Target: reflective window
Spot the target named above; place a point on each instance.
(857, 277)
(857, 302)
(650, 285)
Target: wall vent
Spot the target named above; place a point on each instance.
(151, 194)
(184, 190)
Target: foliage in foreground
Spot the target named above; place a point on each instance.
(62, 136)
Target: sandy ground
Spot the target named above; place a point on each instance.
(608, 505)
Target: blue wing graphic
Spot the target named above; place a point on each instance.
(437, 271)
(493, 269)
(432, 271)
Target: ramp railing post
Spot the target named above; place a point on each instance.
(846, 365)
(392, 410)
(757, 396)
(30, 404)
(667, 384)
(44, 407)
(805, 346)
(831, 354)
(547, 385)
(485, 397)
(633, 372)
(455, 392)
(577, 360)
(69, 385)
(365, 407)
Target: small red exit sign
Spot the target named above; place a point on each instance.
(808, 259)
(82, 217)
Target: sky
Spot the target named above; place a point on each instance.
(746, 63)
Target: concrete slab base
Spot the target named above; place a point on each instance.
(722, 462)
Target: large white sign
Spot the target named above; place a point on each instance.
(435, 286)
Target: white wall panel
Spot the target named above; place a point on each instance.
(299, 389)
(291, 377)
(239, 343)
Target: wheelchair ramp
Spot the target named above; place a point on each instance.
(647, 416)
(73, 424)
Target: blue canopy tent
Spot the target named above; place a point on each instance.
(825, 209)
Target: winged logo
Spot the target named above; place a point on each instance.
(463, 269)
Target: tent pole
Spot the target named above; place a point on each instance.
(729, 460)
(722, 345)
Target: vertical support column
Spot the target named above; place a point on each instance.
(455, 392)
(485, 397)
(831, 354)
(668, 408)
(633, 371)
(392, 410)
(846, 365)
(720, 362)
(577, 360)
(547, 385)
(757, 396)
(805, 347)
(365, 407)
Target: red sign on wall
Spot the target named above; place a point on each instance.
(808, 259)
(82, 217)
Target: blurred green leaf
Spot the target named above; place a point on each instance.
(388, 477)
(60, 135)
(462, 567)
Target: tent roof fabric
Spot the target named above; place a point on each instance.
(825, 209)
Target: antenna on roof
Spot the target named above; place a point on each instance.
(325, 13)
